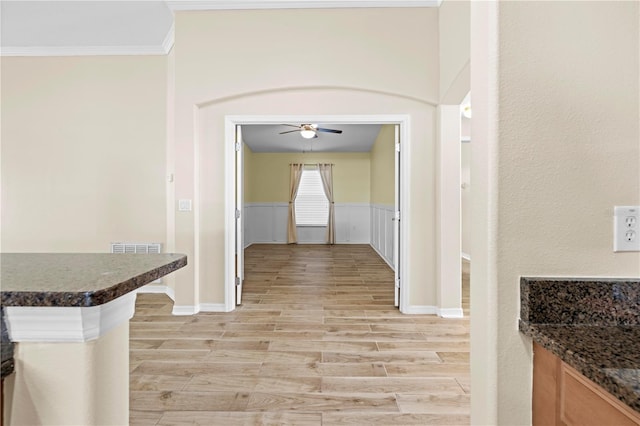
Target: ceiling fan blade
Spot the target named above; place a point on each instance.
(289, 131)
(319, 129)
(290, 125)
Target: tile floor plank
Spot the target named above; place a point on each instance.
(317, 341)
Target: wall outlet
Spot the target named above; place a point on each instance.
(184, 205)
(626, 228)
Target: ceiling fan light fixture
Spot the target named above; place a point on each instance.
(466, 110)
(307, 134)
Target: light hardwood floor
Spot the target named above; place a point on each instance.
(316, 341)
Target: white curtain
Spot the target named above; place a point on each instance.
(326, 173)
(294, 183)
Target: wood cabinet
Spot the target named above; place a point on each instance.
(563, 396)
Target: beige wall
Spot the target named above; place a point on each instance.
(379, 72)
(383, 167)
(465, 197)
(564, 152)
(94, 377)
(268, 179)
(454, 36)
(83, 149)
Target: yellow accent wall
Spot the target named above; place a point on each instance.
(267, 175)
(247, 164)
(383, 167)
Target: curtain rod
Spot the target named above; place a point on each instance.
(312, 164)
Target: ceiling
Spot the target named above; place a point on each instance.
(267, 138)
(44, 28)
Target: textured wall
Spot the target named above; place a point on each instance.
(555, 147)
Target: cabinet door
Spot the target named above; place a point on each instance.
(545, 392)
(584, 403)
(563, 396)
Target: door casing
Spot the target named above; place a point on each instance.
(231, 121)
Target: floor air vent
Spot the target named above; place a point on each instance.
(137, 248)
(142, 248)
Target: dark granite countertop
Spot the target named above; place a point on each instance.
(6, 347)
(592, 325)
(78, 279)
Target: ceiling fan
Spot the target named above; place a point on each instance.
(309, 131)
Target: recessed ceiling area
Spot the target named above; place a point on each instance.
(267, 138)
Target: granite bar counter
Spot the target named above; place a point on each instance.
(592, 325)
(78, 280)
(67, 316)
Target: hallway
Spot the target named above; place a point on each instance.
(316, 341)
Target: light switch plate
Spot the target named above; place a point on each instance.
(626, 228)
(184, 205)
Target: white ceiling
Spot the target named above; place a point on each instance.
(85, 27)
(267, 138)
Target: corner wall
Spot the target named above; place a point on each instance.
(213, 81)
(555, 147)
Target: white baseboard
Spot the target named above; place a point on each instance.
(184, 310)
(213, 307)
(421, 310)
(383, 258)
(158, 288)
(202, 307)
(434, 310)
(451, 312)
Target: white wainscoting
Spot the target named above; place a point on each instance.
(382, 231)
(267, 223)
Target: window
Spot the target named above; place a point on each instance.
(312, 206)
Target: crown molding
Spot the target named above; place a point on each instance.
(85, 50)
(169, 39)
(177, 5)
(163, 49)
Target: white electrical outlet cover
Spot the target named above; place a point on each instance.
(626, 228)
(184, 205)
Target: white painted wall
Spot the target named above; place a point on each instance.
(448, 219)
(267, 223)
(555, 146)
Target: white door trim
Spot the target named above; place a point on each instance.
(230, 181)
